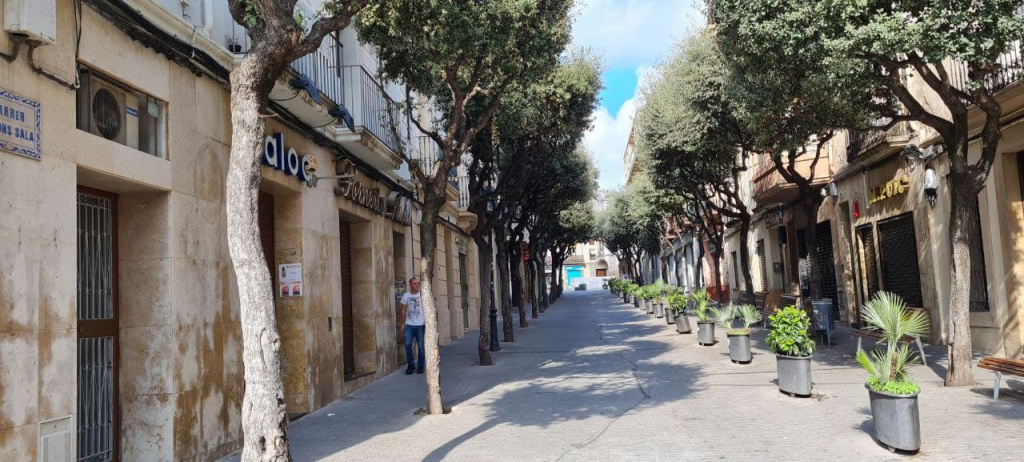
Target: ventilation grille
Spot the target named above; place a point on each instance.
(106, 113)
(55, 440)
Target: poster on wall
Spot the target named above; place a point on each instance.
(289, 279)
(19, 125)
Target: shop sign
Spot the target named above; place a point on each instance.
(773, 219)
(461, 243)
(290, 279)
(288, 162)
(891, 188)
(20, 125)
(393, 206)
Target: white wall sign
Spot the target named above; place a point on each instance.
(289, 279)
(20, 125)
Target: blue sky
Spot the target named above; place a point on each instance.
(633, 36)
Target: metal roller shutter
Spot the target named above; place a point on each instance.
(898, 246)
(763, 264)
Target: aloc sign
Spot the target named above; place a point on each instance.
(288, 162)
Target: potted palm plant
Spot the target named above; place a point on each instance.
(705, 317)
(658, 292)
(678, 303)
(790, 340)
(670, 313)
(892, 392)
(739, 337)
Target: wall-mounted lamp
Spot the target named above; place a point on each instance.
(931, 185)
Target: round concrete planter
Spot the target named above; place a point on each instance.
(896, 419)
(739, 348)
(794, 374)
(683, 324)
(659, 310)
(670, 316)
(706, 333)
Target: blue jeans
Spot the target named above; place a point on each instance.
(414, 332)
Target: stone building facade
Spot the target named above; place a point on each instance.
(120, 330)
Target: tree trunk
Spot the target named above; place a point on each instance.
(503, 287)
(810, 209)
(699, 263)
(518, 292)
(264, 421)
(542, 281)
(428, 245)
(486, 258)
(748, 279)
(963, 194)
(716, 270)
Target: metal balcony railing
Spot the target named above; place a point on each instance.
(372, 110)
(1011, 68)
(859, 142)
(323, 67)
(463, 186)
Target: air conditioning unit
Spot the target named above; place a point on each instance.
(36, 19)
(112, 112)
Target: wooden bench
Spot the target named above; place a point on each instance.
(1002, 366)
(861, 334)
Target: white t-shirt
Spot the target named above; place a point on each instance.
(413, 309)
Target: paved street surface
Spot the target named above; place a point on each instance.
(597, 380)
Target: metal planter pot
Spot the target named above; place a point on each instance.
(683, 324)
(794, 374)
(659, 310)
(896, 419)
(636, 301)
(739, 348)
(706, 333)
(649, 306)
(670, 316)
(625, 298)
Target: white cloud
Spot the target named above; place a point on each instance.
(609, 134)
(629, 34)
(633, 33)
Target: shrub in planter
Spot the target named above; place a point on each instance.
(705, 317)
(791, 341)
(739, 338)
(892, 392)
(647, 294)
(678, 302)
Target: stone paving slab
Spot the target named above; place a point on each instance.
(597, 380)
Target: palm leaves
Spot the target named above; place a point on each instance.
(747, 313)
(887, 313)
(887, 369)
(700, 300)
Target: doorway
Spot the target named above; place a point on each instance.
(348, 344)
(464, 284)
(98, 360)
(401, 287)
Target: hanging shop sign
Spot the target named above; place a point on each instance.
(20, 125)
(289, 162)
(891, 188)
(393, 206)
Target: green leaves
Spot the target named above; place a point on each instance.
(887, 369)
(790, 332)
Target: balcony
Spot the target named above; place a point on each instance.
(427, 152)
(1010, 70)
(373, 115)
(771, 188)
(371, 138)
(870, 145)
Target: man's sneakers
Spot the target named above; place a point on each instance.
(419, 370)
(410, 369)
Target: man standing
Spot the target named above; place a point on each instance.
(412, 312)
